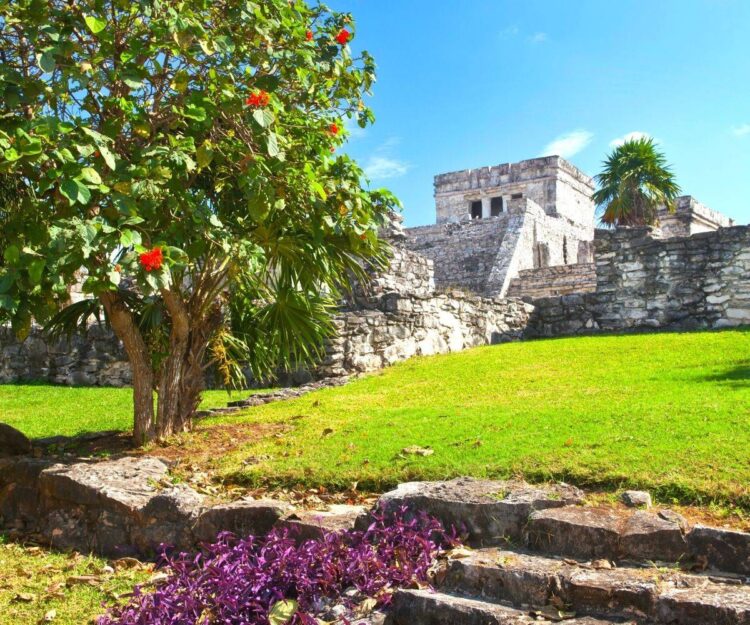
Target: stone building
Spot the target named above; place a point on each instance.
(530, 223)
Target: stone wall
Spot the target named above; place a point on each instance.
(643, 281)
(411, 325)
(95, 358)
(690, 217)
(556, 280)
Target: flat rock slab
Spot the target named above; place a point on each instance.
(724, 549)
(660, 594)
(649, 536)
(243, 518)
(13, 442)
(577, 531)
(484, 512)
(423, 607)
(127, 484)
(313, 524)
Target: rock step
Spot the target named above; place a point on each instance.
(423, 607)
(590, 533)
(548, 519)
(660, 595)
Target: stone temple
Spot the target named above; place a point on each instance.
(496, 225)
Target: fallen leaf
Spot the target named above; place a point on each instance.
(49, 616)
(25, 597)
(416, 450)
(367, 606)
(569, 442)
(282, 612)
(89, 580)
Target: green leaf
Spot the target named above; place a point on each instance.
(108, 156)
(195, 112)
(8, 302)
(204, 154)
(36, 268)
(12, 254)
(114, 277)
(46, 62)
(75, 191)
(89, 174)
(264, 117)
(6, 281)
(130, 237)
(95, 24)
(273, 145)
(282, 612)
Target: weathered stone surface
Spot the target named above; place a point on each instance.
(126, 484)
(312, 524)
(13, 442)
(423, 607)
(243, 518)
(647, 536)
(576, 531)
(665, 596)
(724, 549)
(636, 499)
(487, 512)
(718, 605)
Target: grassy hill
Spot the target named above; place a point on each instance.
(669, 412)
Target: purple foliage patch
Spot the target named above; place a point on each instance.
(236, 581)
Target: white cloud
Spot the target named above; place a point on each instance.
(636, 134)
(741, 130)
(569, 144)
(538, 38)
(382, 167)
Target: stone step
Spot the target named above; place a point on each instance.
(590, 533)
(424, 607)
(483, 512)
(662, 595)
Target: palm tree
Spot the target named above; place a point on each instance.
(634, 183)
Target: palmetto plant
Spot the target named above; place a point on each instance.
(634, 183)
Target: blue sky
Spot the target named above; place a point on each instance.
(467, 83)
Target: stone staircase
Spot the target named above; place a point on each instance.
(554, 281)
(542, 556)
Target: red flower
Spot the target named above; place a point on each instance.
(152, 259)
(334, 129)
(309, 35)
(259, 99)
(344, 36)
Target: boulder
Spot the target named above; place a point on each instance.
(313, 524)
(636, 499)
(13, 442)
(724, 549)
(648, 536)
(244, 517)
(484, 512)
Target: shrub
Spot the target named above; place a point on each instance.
(240, 581)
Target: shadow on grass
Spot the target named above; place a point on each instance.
(737, 377)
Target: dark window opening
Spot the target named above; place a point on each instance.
(565, 250)
(516, 196)
(496, 206)
(476, 209)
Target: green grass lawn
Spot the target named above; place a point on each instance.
(44, 410)
(40, 586)
(669, 412)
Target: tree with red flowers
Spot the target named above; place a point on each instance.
(179, 156)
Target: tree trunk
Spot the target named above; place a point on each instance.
(124, 326)
(181, 377)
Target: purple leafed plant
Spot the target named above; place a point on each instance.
(237, 581)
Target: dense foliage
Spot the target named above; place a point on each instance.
(180, 157)
(243, 580)
(634, 183)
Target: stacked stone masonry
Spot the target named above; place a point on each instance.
(551, 281)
